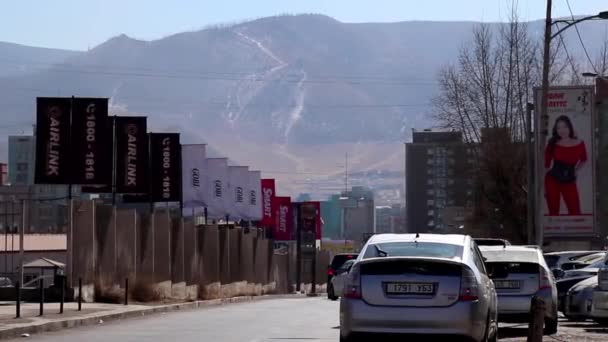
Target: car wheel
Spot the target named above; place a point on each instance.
(487, 337)
(331, 294)
(550, 326)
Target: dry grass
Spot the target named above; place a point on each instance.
(111, 294)
(145, 291)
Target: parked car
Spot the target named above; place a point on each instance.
(423, 284)
(336, 287)
(563, 286)
(556, 259)
(491, 242)
(519, 274)
(583, 261)
(579, 300)
(588, 271)
(336, 262)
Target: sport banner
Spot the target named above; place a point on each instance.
(254, 189)
(567, 163)
(53, 160)
(238, 181)
(194, 176)
(132, 174)
(217, 192)
(284, 220)
(91, 142)
(165, 167)
(268, 195)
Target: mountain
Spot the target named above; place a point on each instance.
(289, 95)
(18, 60)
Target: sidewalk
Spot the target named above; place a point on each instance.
(94, 313)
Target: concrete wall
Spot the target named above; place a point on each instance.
(179, 259)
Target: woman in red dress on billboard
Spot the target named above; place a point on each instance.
(564, 155)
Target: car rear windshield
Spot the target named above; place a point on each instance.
(514, 267)
(414, 249)
(551, 260)
(340, 259)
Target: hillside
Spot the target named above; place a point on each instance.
(290, 93)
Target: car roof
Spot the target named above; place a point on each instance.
(510, 254)
(454, 239)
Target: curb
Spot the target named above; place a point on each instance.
(93, 319)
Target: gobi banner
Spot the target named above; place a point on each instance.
(238, 181)
(194, 175)
(131, 155)
(268, 194)
(91, 142)
(217, 194)
(568, 163)
(283, 229)
(52, 140)
(254, 202)
(165, 167)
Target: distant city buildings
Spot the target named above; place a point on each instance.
(350, 215)
(390, 219)
(439, 181)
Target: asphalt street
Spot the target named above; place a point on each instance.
(280, 320)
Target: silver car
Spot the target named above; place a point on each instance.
(419, 284)
(519, 274)
(337, 282)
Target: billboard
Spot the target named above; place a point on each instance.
(131, 155)
(91, 142)
(284, 219)
(194, 175)
(217, 192)
(268, 194)
(254, 188)
(53, 160)
(165, 167)
(238, 179)
(566, 166)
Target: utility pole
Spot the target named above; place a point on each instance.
(530, 156)
(543, 120)
(345, 173)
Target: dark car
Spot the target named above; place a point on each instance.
(336, 263)
(491, 242)
(563, 286)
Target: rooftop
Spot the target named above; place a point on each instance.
(33, 242)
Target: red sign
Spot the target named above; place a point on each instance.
(268, 195)
(283, 225)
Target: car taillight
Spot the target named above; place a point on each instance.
(469, 290)
(352, 288)
(544, 280)
(602, 279)
(330, 271)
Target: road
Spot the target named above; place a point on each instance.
(280, 320)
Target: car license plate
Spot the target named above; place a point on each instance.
(507, 284)
(410, 288)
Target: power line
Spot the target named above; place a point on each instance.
(210, 76)
(561, 38)
(581, 38)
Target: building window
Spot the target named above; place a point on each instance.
(21, 178)
(429, 182)
(22, 167)
(469, 193)
(431, 213)
(430, 151)
(451, 182)
(430, 202)
(430, 192)
(430, 161)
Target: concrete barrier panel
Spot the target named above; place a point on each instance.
(247, 257)
(236, 235)
(177, 251)
(145, 247)
(191, 258)
(84, 254)
(210, 261)
(126, 245)
(162, 246)
(105, 231)
(261, 259)
(224, 234)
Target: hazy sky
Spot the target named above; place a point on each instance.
(79, 24)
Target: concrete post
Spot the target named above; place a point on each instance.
(537, 320)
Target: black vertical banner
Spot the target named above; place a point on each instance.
(131, 155)
(91, 142)
(52, 140)
(165, 167)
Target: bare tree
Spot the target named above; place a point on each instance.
(484, 95)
